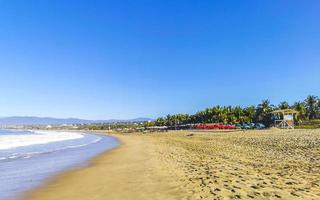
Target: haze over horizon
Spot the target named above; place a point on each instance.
(125, 59)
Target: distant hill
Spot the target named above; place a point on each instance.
(56, 121)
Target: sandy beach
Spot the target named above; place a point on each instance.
(270, 164)
(132, 171)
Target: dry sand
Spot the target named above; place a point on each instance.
(272, 164)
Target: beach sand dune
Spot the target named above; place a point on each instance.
(271, 164)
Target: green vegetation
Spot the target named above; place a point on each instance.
(309, 110)
(115, 126)
(309, 124)
(308, 117)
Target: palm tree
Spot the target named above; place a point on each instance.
(218, 114)
(160, 121)
(318, 109)
(283, 105)
(309, 109)
(311, 106)
(249, 114)
(238, 113)
(300, 107)
(263, 112)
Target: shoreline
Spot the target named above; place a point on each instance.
(268, 164)
(33, 170)
(128, 166)
(49, 181)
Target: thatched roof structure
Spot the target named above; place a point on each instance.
(285, 112)
(286, 118)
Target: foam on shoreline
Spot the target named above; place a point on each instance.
(36, 137)
(28, 159)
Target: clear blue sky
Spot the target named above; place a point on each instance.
(126, 59)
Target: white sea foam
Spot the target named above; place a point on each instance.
(38, 137)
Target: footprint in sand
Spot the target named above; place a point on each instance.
(254, 187)
(235, 197)
(278, 196)
(294, 194)
(236, 187)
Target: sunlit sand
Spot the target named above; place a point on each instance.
(271, 164)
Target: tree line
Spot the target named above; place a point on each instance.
(309, 109)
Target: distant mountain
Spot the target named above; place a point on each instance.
(56, 121)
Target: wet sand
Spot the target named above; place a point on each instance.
(271, 164)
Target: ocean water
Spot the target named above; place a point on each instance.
(28, 158)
